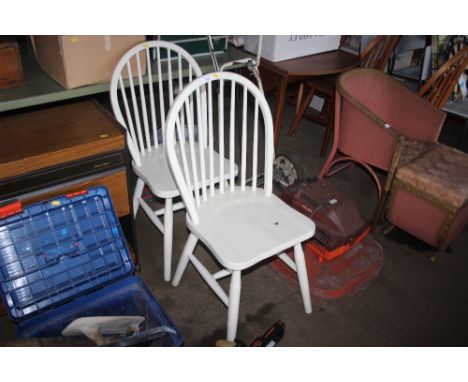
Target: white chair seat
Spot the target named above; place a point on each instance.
(243, 228)
(157, 175)
(155, 172)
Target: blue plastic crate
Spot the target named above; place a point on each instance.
(67, 258)
(127, 297)
(53, 251)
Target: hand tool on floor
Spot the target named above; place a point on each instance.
(149, 337)
(270, 338)
(95, 328)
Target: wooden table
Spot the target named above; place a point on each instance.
(279, 74)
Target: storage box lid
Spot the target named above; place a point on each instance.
(53, 251)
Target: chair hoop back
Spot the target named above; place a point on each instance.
(140, 100)
(192, 162)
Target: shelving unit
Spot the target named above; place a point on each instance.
(40, 89)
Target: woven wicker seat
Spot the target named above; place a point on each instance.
(429, 196)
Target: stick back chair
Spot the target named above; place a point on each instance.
(240, 224)
(440, 86)
(141, 110)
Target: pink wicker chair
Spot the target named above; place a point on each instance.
(381, 124)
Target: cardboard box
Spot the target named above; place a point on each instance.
(75, 61)
(286, 47)
(11, 69)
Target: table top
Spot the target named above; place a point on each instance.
(459, 107)
(327, 63)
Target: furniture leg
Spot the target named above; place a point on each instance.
(328, 129)
(300, 94)
(300, 113)
(140, 185)
(378, 211)
(233, 307)
(329, 161)
(184, 258)
(302, 277)
(279, 106)
(168, 228)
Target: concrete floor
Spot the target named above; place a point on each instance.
(419, 298)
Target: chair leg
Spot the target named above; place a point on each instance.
(184, 258)
(168, 223)
(233, 308)
(302, 277)
(140, 185)
(300, 113)
(328, 130)
(299, 96)
(379, 210)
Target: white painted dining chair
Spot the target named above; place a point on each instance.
(142, 110)
(240, 225)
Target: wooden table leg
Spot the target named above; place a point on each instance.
(279, 107)
(299, 97)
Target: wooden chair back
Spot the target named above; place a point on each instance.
(141, 101)
(378, 52)
(438, 88)
(192, 162)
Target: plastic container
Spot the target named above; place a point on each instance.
(127, 297)
(67, 258)
(53, 251)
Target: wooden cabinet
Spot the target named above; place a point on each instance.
(56, 145)
(61, 149)
(58, 150)
(45, 138)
